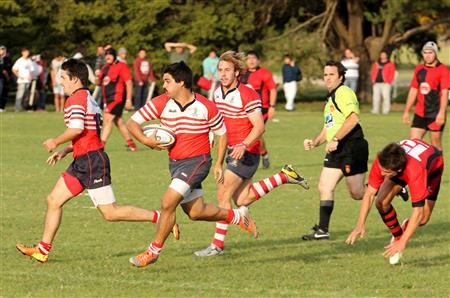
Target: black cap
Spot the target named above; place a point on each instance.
(111, 51)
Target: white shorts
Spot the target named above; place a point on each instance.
(102, 195)
(185, 190)
(58, 89)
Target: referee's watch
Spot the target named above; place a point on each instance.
(335, 139)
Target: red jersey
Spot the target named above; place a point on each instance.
(191, 123)
(422, 160)
(113, 77)
(261, 80)
(236, 105)
(81, 111)
(429, 81)
(143, 70)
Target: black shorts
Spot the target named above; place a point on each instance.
(192, 170)
(91, 170)
(426, 123)
(115, 108)
(245, 167)
(351, 157)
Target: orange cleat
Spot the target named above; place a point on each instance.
(246, 223)
(33, 252)
(144, 259)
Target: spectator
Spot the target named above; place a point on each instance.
(122, 55)
(99, 62)
(179, 51)
(143, 74)
(210, 71)
(23, 70)
(291, 75)
(350, 62)
(42, 82)
(55, 75)
(383, 73)
(5, 76)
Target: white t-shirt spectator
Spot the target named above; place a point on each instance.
(56, 66)
(25, 69)
(352, 68)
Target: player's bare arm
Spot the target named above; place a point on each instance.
(56, 156)
(318, 140)
(440, 117)
(410, 100)
(350, 122)
(257, 131)
(136, 131)
(272, 103)
(366, 204)
(68, 135)
(129, 88)
(221, 151)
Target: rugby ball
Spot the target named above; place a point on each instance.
(163, 134)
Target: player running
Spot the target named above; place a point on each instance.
(261, 80)
(191, 117)
(241, 110)
(413, 163)
(430, 86)
(117, 88)
(90, 169)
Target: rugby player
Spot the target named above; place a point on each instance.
(191, 117)
(261, 80)
(411, 162)
(429, 87)
(241, 110)
(90, 168)
(117, 89)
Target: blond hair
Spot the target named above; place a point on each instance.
(237, 59)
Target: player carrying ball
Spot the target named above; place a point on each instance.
(191, 117)
(90, 168)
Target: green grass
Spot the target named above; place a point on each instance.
(90, 256)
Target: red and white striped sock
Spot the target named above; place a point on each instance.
(44, 248)
(265, 186)
(154, 248)
(234, 217)
(221, 231)
(156, 216)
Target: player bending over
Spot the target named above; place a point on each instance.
(413, 163)
(241, 110)
(90, 168)
(191, 117)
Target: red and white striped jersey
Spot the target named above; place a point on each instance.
(191, 123)
(236, 105)
(81, 111)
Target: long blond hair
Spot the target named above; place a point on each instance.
(237, 59)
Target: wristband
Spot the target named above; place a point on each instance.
(242, 145)
(335, 139)
(272, 106)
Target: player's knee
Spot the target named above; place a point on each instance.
(110, 216)
(380, 206)
(356, 194)
(53, 202)
(195, 214)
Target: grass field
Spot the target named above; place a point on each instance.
(90, 255)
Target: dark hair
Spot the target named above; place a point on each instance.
(24, 49)
(111, 51)
(254, 53)
(392, 157)
(78, 69)
(340, 68)
(180, 73)
(287, 56)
